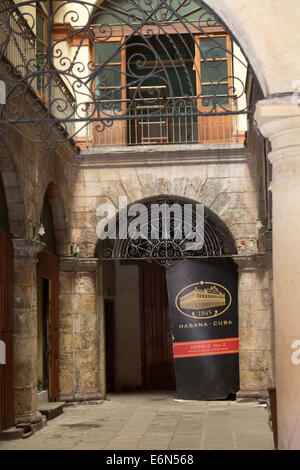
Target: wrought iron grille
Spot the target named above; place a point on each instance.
(142, 71)
(149, 243)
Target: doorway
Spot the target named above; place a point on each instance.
(47, 324)
(143, 340)
(110, 345)
(43, 312)
(138, 338)
(157, 345)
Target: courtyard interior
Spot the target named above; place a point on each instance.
(153, 421)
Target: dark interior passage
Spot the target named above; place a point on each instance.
(158, 365)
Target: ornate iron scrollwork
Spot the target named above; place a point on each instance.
(85, 62)
(167, 250)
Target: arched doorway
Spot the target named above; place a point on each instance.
(6, 317)
(47, 308)
(138, 312)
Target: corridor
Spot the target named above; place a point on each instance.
(144, 421)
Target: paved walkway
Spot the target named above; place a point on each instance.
(154, 421)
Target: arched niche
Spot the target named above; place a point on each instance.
(54, 219)
(4, 223)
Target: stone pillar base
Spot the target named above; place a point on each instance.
(28, 418)
(80, 397)
(22, 430)
(250, 395)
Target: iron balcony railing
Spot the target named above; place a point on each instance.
(160, 121)
(22, 49)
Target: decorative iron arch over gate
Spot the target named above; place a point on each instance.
(139, 244)
(69, 64)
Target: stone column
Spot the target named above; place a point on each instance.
(255, 326)
(25, 330)
(279, 120)
(79, 329)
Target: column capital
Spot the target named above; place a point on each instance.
(278, 119)
(251, 262)
(74, 264)
(27, 248)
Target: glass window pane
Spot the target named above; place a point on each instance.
(109, 76)
(214, 71)
(40, 27)
(106, 51)
(217, 94)
(180, 84)
(209, 48)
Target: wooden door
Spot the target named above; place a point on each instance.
(48, 269)
(158, 364)
(213, 66)
(6, 331)
(110, 91)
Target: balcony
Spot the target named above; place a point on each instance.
(160, 121)
(117, 113)
(20, 47)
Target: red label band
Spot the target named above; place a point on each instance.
(206, 348)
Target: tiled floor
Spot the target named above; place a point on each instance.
(154, 421)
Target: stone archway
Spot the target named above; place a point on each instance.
(13, 192)
(54, 224)
(154, 215)
(277, 79)
(135, 297)
(59, 216)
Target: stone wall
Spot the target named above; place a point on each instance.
(224, 179)
(31, 173)
(28, 172)
(259, 147)
(255, 325)
(79, 330)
